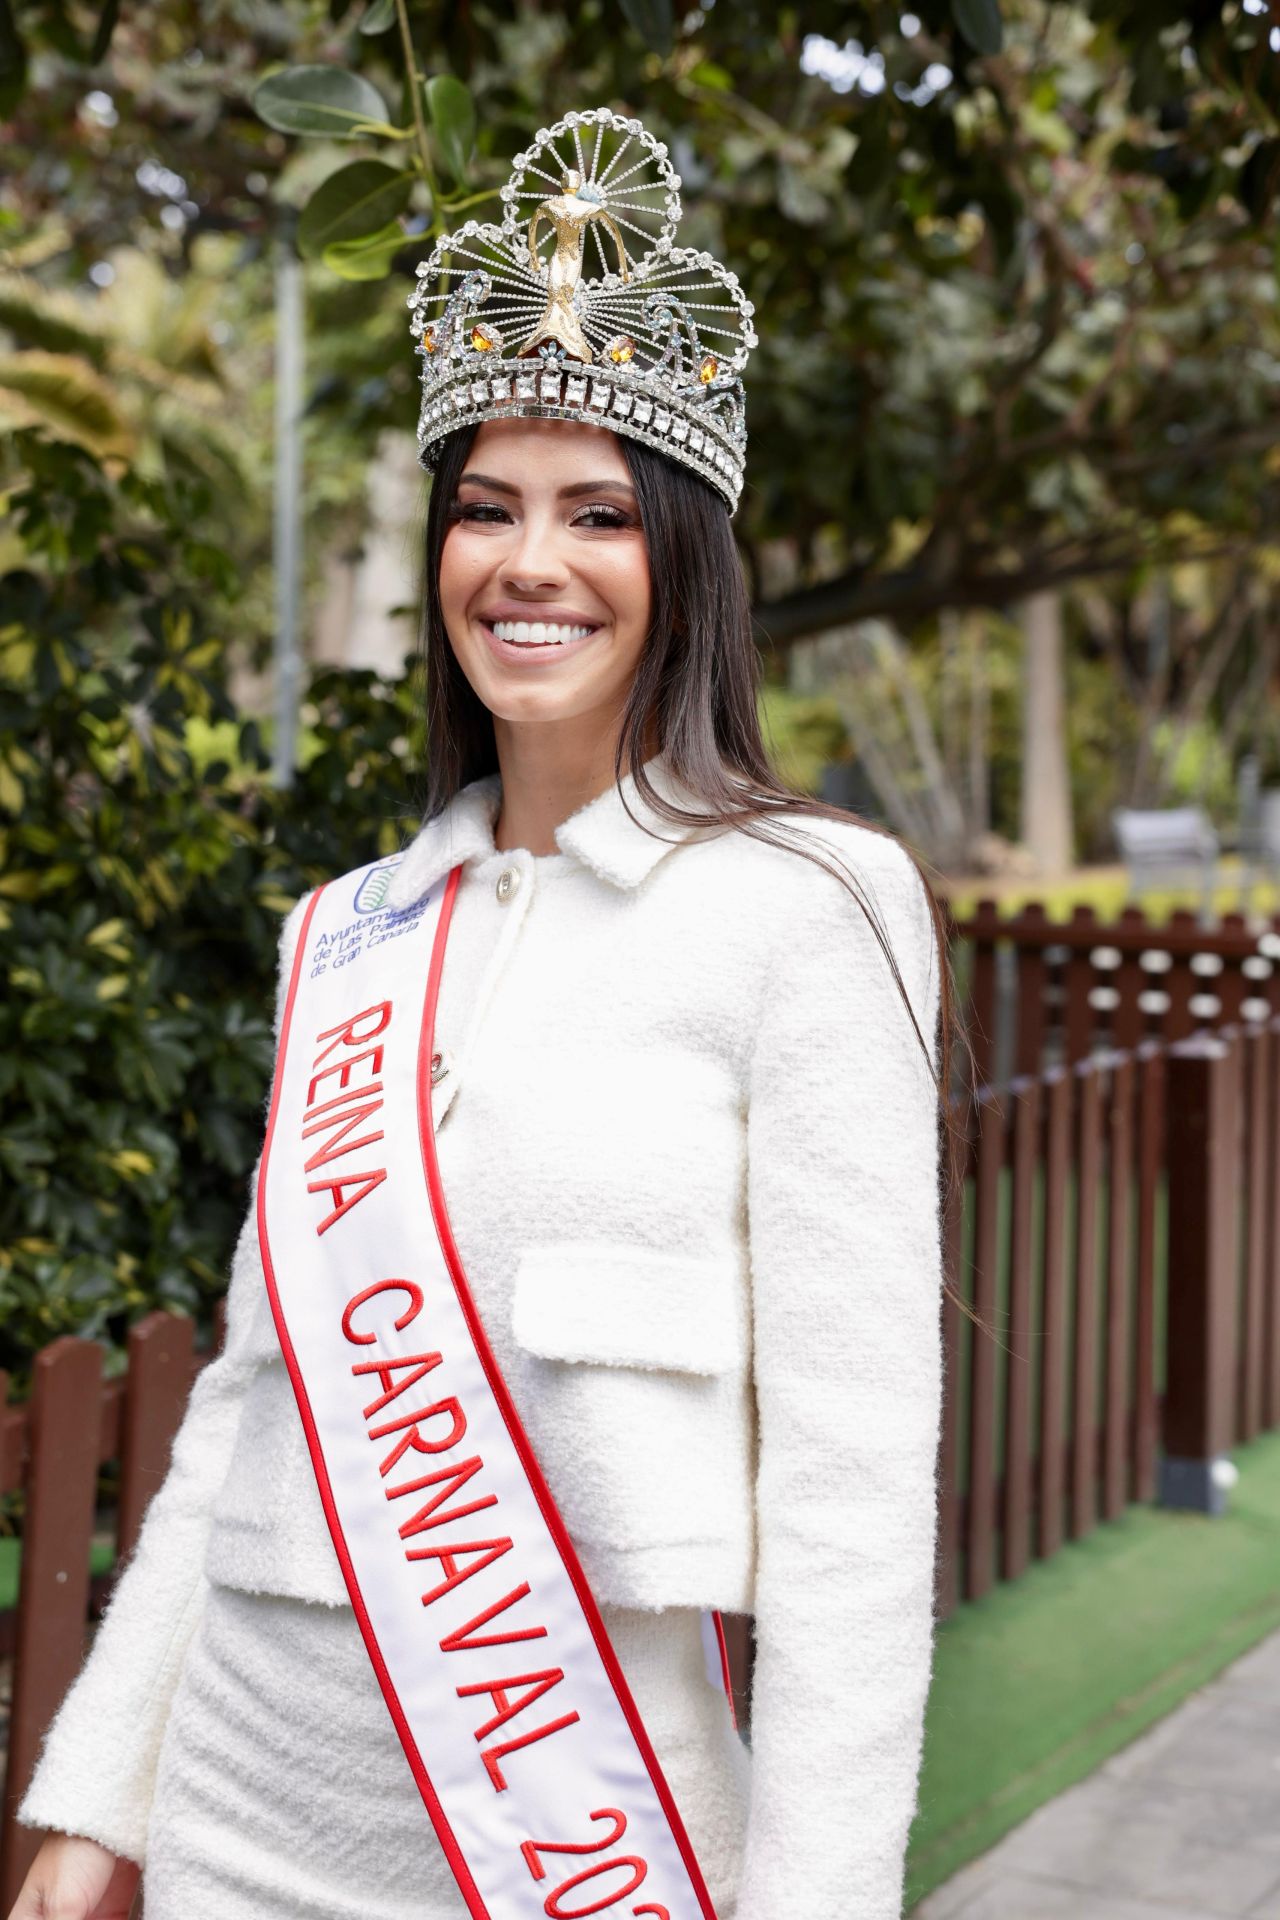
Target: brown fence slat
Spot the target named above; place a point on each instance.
(1115, 1399)
(1150, 1157)
(53, 1599)
(110, 1407)
(1131, 934)
(980, 1014)
(1255, 1046)
(1059, 1090)
(1271, 1328)
(1229, 1153)
(1230, 985)
(1180, 983)
(981, 1512)
(158, 1384)
(947, 1568)
(1016, 1512)
(1199, 1401)
(946, 1586)
(1079, 979)
(1084, 1444)
(1032, 1011)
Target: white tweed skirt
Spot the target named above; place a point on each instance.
(282, 1790)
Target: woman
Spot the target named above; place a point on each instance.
(684, 1069)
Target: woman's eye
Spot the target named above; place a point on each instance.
(477, 510)
(602, 516)
(489, 513)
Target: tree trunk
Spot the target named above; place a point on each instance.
(978, 786)
(1046, 783)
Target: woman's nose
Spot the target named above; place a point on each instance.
(535, 580)
(533, 560)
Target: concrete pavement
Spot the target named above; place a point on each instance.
(1183, 1824)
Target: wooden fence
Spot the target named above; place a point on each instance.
(1119, 1241)
(52, 1447)
(1039, 991)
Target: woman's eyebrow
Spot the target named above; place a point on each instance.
(566, 493)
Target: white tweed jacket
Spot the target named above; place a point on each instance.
(689, 1143)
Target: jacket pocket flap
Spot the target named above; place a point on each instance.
(625, 1306)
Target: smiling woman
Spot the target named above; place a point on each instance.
(590, 1289)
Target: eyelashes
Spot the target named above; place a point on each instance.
(601, 514)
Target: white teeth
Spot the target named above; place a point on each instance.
(538, 633)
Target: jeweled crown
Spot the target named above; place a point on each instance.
(507, 320)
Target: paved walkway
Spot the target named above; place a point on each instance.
(1183, 1824)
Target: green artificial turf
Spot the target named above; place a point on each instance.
(1037, 1683)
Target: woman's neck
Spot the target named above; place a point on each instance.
(543, 782)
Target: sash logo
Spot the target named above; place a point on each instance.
(372, 890)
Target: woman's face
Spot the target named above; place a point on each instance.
(544, 575)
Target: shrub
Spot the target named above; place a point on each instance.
(142, 886)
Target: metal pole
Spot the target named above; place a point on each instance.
(287, 498)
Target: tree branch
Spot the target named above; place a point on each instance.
(914, 594)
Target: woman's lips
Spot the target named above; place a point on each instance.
(534, 655)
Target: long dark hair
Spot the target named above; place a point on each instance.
(696, 689)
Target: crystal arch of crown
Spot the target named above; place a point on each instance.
(684, 281)
(627, 174)
(583, 275)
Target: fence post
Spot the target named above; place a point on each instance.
(53, 1597)
(1200, 1337)
(157, 1387)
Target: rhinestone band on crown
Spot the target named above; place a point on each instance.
(506, 322)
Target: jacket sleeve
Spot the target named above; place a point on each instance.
(843, 1193)
(97, 1766)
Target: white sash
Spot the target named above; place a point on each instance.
(514, 1714)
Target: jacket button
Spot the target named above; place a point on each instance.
(508, 881)
(439, 1068)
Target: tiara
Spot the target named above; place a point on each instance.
(507, 321)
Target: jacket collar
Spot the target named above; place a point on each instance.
(603, 835)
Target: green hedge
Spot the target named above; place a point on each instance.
(142, 886)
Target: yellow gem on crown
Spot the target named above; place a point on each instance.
(621, 349)
(708, 370)
(430, 339)
(483, 338)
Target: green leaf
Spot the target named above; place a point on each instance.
(379, 17)
(653, 21)
(66, 394)
(34, 321)
(369, 257)
(980, 23)
(453, 115)
(351, 204)
(324, 100)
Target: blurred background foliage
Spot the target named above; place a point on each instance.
(145, 862)
(1015, 275)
